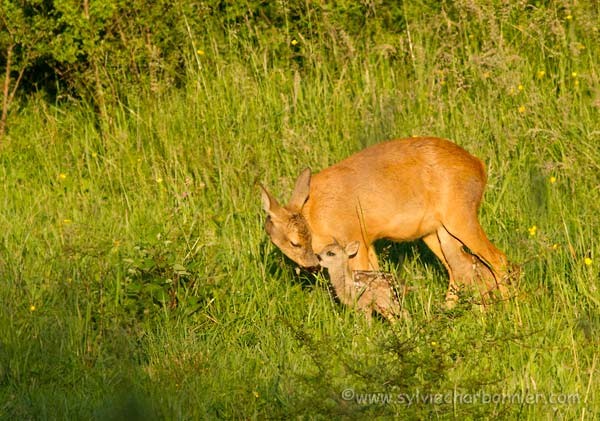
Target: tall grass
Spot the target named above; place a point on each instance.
(138, 281)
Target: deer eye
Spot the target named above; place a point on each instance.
(330, 254)
(295, 245)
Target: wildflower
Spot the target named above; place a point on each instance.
(522, 109)
(32, 308)
(433, 343)
(552, 180)
(294, 42)
(532, 230)
(255, 393)
(554, 246)
(588, 261)
(520, 88)
(569, 17)
(200, 52)
(62, 176)
(541, 74)
(66, 221)
(574, 75)
(159, 180)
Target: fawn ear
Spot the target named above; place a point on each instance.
(352, 248)
(270, 205)
(301, 191)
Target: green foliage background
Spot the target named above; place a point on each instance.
(137, 280)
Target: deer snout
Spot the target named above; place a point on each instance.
(311, 259)
(308, 269)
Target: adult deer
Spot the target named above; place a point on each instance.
(402, 190)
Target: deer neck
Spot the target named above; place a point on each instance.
(340, 275)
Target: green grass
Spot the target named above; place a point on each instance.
(137, 280)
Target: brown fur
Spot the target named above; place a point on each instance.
(402, 190)
(366, 290)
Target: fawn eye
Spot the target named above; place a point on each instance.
(295, 245)
(330, 254)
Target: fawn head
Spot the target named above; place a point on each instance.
(335, 254)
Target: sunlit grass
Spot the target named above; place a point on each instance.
(137, 278)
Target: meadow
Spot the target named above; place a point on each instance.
(137, 282)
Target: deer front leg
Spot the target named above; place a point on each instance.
(365, 259)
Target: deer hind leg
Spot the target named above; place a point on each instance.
(466, 229)
(468, 270)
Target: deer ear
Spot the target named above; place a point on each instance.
(301, 191)
(270, 205)
(352, 248)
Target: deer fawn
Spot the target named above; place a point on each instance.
(402, 190)
(368, 291)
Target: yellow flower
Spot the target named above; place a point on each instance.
(522, 109)
(532, 230)
(574, 74)
(433, 343)
(159, 180)
(552, 180)
(541, 74)
(294, 42)
(569, 17)
(32, 308)
(587, 261)
(520, 87)
(255, 393)
(576, 83)
(62, 176)
(554, 246)
(66, 221)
